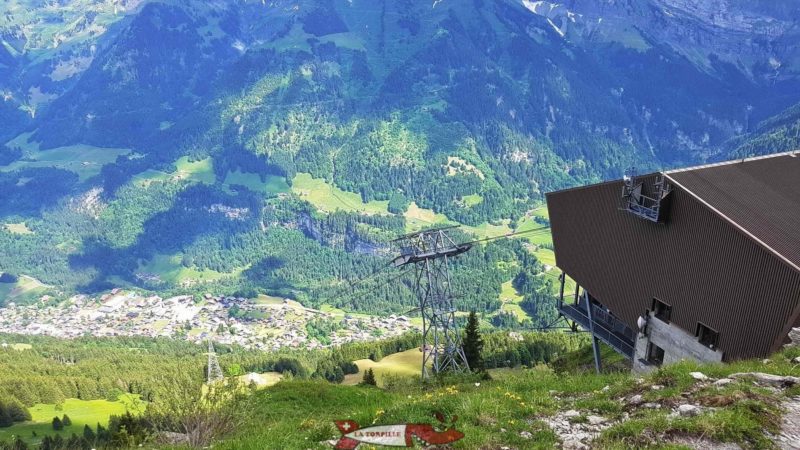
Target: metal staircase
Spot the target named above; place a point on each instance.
(603, 325)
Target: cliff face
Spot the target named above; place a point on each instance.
(759, 40)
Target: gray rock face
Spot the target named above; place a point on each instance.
(688, 410)
(789, 437)
(760, 35)
(768, 379)
(573, 444)
(636, 400)
(596, 420)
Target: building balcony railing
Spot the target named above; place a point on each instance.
(654, 207)
(606, 327)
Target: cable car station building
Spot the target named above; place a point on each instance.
(700, 263)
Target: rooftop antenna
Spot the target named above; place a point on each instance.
(429, 252)
(214, 370)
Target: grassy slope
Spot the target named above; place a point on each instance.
(84, 160)
(80, 412)
(272, 185)
(170, 269)
(18, 228)
(261, 380)
(25, 288)
(418, 218)
(405, 363)
(492, 414)
(328, 198)
(511, 300)
(194, 171)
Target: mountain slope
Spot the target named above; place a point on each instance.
(207, 138)
(776, 134)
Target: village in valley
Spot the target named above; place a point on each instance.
(265, 323)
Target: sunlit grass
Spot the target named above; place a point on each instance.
(18, 228)
(328, 198)
(80, 412)
(84, 160)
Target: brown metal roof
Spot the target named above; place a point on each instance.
(760, 196)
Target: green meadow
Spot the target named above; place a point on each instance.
(329, 198)
(80, 412)
(18, 228)
(169, 268)
(407, 363)
(252, 181)
(418, 218)
(510, 299)
(26, 288)
(84, 160)
(201, 171)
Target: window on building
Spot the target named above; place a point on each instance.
(655, 354)
(707, 335)
(662, 310)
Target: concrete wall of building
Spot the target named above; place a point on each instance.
(678, 345)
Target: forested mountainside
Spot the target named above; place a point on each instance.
(169, 144)
(776, 134)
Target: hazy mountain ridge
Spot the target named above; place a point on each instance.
(758, 38)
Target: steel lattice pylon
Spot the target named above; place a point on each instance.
(214, 370)
(429, 252)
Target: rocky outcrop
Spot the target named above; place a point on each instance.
(767, 379)
(759, 40)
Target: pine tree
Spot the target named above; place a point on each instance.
(74, 442)
(46, 444)
(102, 434)
(18, 412)
(369, 378)
(88, 434)
(5, 417)
(473, 343)
(66, 421)
(57, 424)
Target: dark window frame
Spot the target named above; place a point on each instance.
(709, 338)
(658, 313)
(655, 354)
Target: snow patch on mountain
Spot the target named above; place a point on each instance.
(550, 10)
